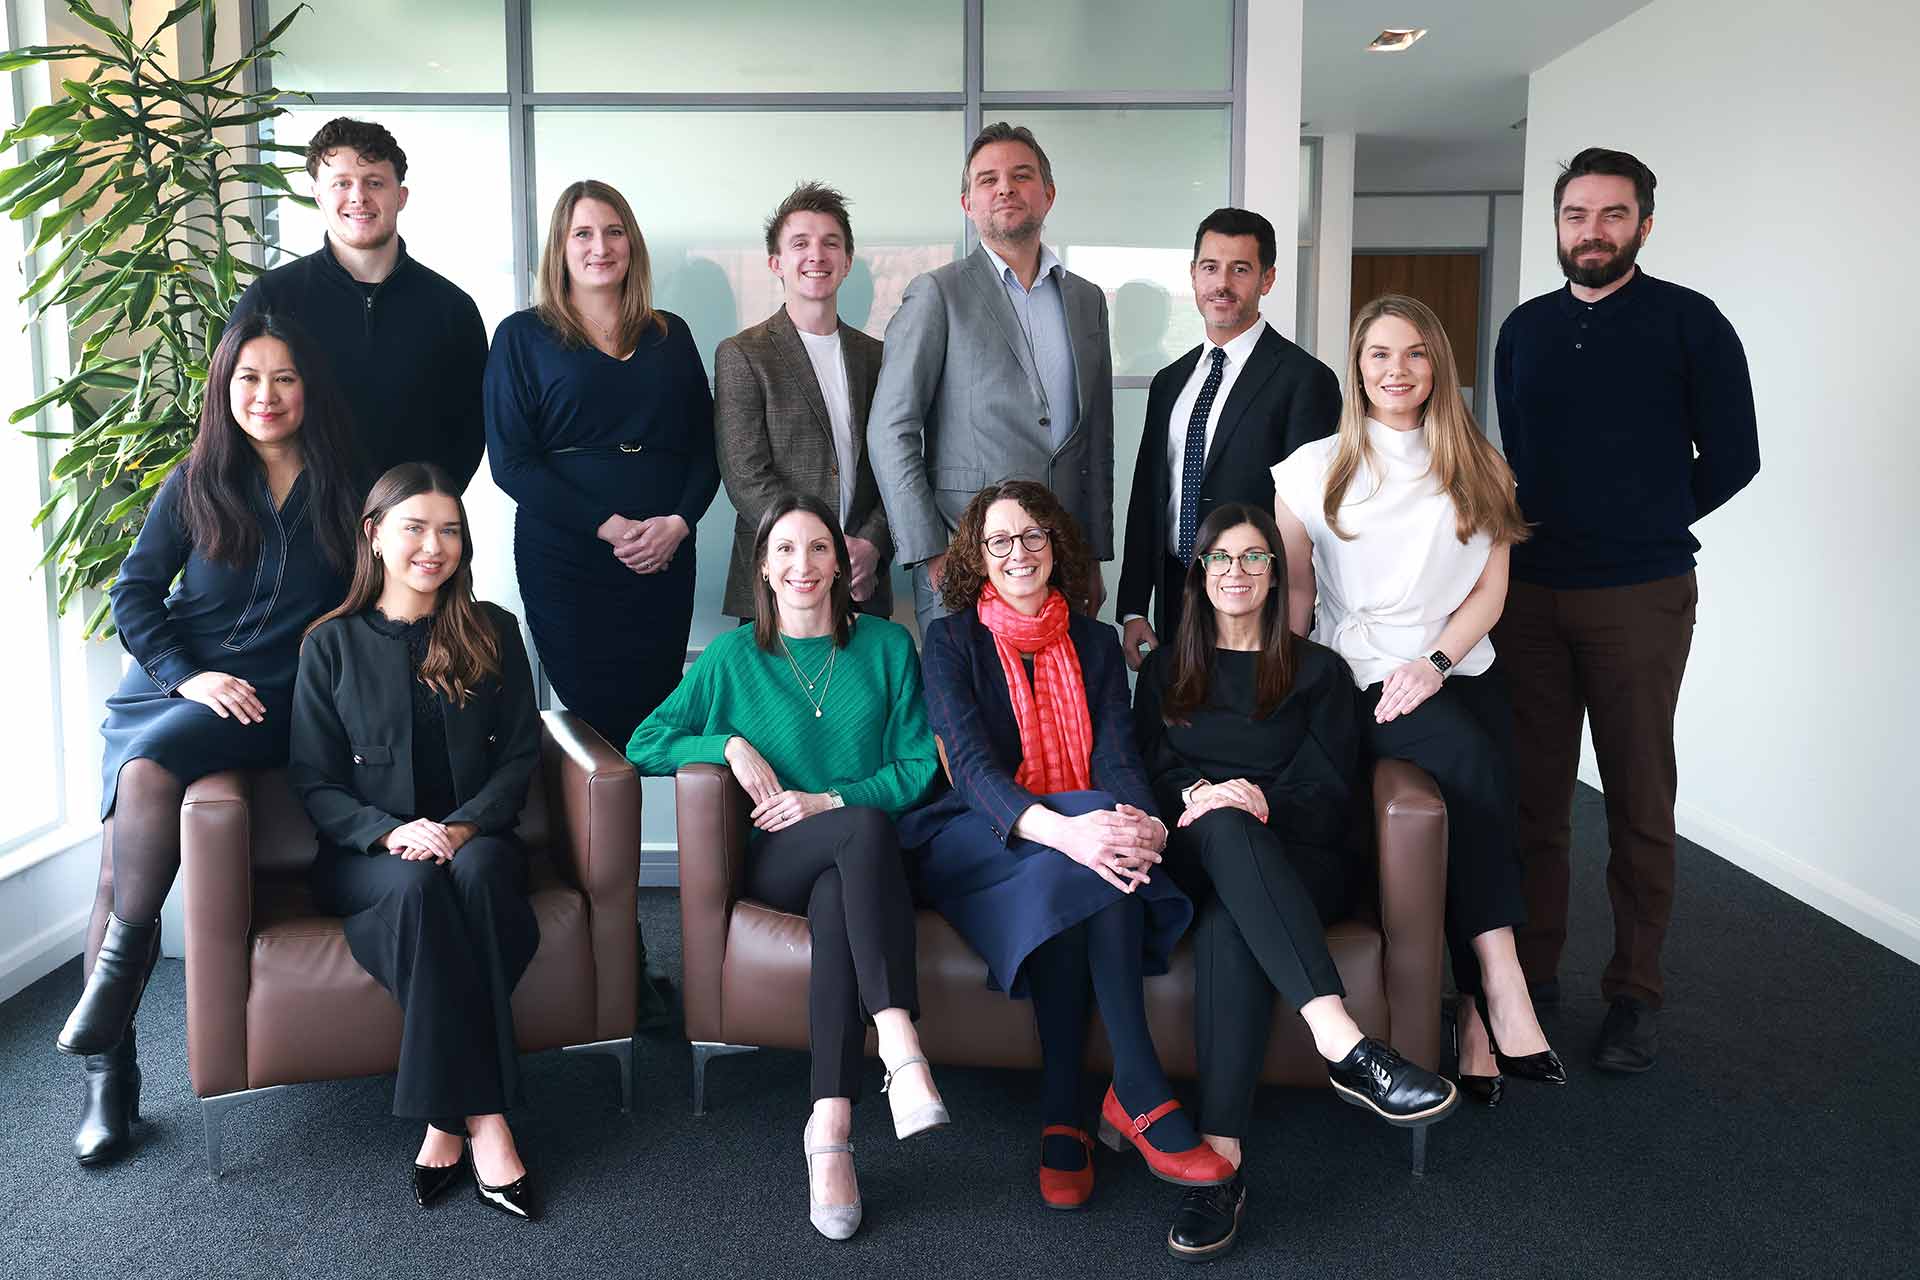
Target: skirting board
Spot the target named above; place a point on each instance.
(1865, 914)
(659, 865)
(34, 958)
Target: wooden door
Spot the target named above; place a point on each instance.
(1447, 282)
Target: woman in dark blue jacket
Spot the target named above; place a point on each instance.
(1044, 855)
(257, 526)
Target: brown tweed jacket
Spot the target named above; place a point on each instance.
(772, 431)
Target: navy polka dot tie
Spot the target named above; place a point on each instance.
(1195, 464)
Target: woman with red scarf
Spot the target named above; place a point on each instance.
(1045, 854)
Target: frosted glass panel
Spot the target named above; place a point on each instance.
(702, 183)
(747, 46)
(1108, 44)
(1132, 185)
(425, 46)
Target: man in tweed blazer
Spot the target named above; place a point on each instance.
(997, 368)
(790, 400)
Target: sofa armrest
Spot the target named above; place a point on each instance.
(595, 795)
(216, 859)
(711, 810)
(1410, 822)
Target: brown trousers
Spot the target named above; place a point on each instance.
(1617, 655)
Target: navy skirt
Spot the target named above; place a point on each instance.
(186, 738)
(1007, 899)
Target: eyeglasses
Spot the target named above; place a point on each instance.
(1252, 563)
(1000, 545)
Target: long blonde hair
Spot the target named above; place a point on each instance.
(636, 291)
(1469, 470)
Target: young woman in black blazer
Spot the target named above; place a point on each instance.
(1252, 736)
(415, 736)
(246, 543)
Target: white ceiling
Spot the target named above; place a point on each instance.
(1464, 84)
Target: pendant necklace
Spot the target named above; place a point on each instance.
(806, 685)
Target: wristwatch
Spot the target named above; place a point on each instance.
(1441, 662)
(835, 800)
(1186, 792)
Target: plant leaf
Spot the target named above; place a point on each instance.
(41, 121)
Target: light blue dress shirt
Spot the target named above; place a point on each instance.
(1042, 312)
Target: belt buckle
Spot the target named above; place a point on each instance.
(630, 448)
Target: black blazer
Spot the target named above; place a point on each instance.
(1283, 399)
(352, 751)
(971, 710)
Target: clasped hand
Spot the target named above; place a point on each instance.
(230, 697)
(1236, 793)
(424, 839)
(644, 546)
(1120, 845)
(774, 807)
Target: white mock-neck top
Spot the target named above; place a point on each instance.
(1387, 591)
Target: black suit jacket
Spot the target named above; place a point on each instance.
(1283, 399)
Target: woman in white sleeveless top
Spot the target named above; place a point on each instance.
(1402, 522)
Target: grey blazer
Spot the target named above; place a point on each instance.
(773, 434)
(958, 407)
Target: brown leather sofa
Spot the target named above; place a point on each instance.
(744, 964)
(274, 996)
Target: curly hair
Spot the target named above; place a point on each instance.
(966, 571)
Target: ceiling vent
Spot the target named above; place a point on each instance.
(1395, 39)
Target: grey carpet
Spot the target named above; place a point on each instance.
(1775, 1138)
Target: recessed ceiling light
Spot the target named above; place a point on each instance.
(1395, 39)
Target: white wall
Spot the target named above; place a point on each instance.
(1273, 140)
(1333, 253)
(1780, 134)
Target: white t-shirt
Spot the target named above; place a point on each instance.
(830, 371)
(1387, 591)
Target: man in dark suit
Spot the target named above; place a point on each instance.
(1218, 419)
(790, 401)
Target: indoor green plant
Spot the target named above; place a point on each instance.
(142, 188)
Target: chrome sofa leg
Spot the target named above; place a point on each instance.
(213, 1115)
(621, 1051)
(705, 1051)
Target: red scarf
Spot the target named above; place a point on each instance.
(1056, 733)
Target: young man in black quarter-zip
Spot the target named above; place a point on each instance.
(406, 343)
(1627, 414)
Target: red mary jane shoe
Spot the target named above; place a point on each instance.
(1198, 1166)
(1060, 1189)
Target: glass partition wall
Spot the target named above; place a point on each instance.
(705, 115)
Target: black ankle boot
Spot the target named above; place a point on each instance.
(112, 1107)
(105, 1011)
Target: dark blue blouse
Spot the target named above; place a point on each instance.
(574, 435)
(245, 620)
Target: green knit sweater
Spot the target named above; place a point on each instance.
(870, 743)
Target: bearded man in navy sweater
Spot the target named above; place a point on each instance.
(406, 343)
(1627, 414)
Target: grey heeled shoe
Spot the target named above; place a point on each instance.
(834, 1221)
(928, 1115)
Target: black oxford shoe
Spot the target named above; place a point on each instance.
(1628, 1040)
(1208, 1220)
(1375, 1077)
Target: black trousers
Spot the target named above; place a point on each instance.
(844, 869)
(1463, 737)
(1263, 906)
(450, 942)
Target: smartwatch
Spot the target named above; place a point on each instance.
(1441, 662)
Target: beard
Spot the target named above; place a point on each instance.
(1019, 232)
(1601, 274)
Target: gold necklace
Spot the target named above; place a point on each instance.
(806, 685)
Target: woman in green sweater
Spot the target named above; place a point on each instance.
(818, 713)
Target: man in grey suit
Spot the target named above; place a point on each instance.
(997, 367)
(790, 399)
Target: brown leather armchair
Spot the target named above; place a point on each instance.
(744, 964)
(274, 996)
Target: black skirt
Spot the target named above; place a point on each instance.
(186, 738)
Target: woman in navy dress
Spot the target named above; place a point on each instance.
(258, 526)
(600, 426)
(1044, 855)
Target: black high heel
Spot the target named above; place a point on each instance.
(515, 1199)
(1544, 1066)
(1485, 1090)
